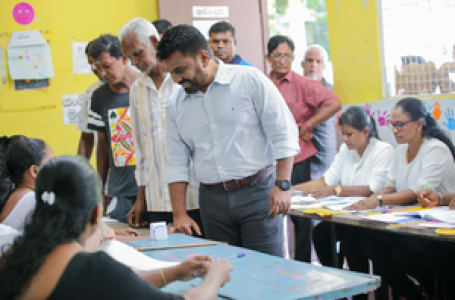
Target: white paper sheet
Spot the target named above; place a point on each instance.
(132, 258)
(303, 199)
(80, 63)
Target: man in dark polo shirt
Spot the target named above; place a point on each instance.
(223, 42)
(110, 116)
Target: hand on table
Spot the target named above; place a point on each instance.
(322, 192)
(428, 198)
(369, 203)
(135, 214)
(184, 224)
(192, 268)
(452, 204)
(222, 268)
(280, 202)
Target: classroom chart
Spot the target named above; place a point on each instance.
(261, 276)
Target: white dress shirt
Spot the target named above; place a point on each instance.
(434, 163)
(82, 116)
(371, 169)
(239, 126)
(147, 105)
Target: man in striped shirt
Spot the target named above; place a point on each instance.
(148, 98)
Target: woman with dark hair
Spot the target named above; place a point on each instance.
(49, 262)
(359, 169)
(20, 160)
(425, 158)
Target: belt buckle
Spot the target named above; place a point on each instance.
(225, 186)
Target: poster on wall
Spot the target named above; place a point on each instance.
(35, 84)
(80, 63)
(29, 56)
(71, 105)
(2, 66)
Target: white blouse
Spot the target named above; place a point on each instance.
(371, 169)
(21, 212)
(7, 237)
(434, 163)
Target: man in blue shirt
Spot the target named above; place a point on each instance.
(224, 120)
(223, 42)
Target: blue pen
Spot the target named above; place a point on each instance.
(235, 256)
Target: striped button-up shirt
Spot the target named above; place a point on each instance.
(82, 116)
(239, 126)
(148, 117)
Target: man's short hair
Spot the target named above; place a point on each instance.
(184, 38)
(162, 25)
(106, 43)
(141, 28)
(222, 26)
(276, 40)
(88, 46)
(321, 49)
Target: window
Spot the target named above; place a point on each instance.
(418, 46)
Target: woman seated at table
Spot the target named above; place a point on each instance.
(431, 256)
(20, 160)
(49, 262)
(424, 158)
(359, 169)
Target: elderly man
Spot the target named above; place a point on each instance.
(224, 118)
(148, 97)
(311, 104)
(223, 42)
(324, 135)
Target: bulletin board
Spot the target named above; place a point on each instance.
(38, 112)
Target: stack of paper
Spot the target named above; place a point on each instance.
(132, 258)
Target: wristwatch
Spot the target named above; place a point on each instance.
(285, 185)
(338, 190)
(379, 197)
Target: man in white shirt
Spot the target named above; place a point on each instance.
(224, 119)
(148, 98)
(87, 140)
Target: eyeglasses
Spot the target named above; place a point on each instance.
(278, 57)
(398, 125)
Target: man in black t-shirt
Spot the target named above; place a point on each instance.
(110, 117)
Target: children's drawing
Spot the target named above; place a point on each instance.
(437, 111)
(383, 118)
(450, 124)
(23, 13)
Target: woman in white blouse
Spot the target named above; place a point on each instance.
(20, 160)
(425, 159)
(359, 169)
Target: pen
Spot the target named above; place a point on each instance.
(386, 211)
(235, 256)
(426, 185)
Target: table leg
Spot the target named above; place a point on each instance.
(333, 245)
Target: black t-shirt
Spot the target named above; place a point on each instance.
(110, 113)
(97, 276)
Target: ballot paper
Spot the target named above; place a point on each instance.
(132, 258)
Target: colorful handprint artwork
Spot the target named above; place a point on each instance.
(437, 112)
(450, 124)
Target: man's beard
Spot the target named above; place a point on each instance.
(192, 89)
(313, 75)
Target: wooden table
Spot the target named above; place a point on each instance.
(262, 276)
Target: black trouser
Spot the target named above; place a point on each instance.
(302, 226)
(158, 216)
(350, 239)
(441, 257)
(383, 248)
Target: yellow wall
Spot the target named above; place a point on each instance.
(38, 113)
(355, 50)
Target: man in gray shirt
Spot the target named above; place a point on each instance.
(224, 119)
(324, 135)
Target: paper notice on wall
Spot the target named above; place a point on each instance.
(2, 66)
(71, 105)
(80, 63)
(204, 26)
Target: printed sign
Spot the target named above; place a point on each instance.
(71, 105)
(210, 12)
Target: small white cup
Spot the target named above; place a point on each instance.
(158, 231)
